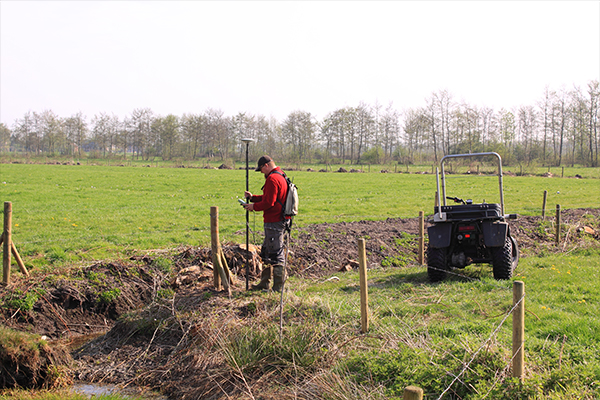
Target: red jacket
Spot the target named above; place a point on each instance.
(275, 188)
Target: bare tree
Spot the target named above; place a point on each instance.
(166, 132)
(25, 132)
(4, 138)
(416, 129)
(546, 111)
(299, 128)
(193, 129)
(561, 105)
(365, 124)
(434, 123)
(594, 95)
(76, 131)
(389, 128)
(140, 124)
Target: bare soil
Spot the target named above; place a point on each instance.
(123, 325)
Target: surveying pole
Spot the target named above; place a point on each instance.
(247, 141)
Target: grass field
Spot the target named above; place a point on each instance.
(424, 334)
(420, 334)
(64, 213)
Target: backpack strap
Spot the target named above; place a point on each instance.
(288, 227)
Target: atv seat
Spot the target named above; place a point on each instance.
(471, 211)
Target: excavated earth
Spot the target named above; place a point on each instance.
(77, 308)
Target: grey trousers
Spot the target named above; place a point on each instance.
(272, 251)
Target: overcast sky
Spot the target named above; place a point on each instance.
(273, 58)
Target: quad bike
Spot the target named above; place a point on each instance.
(470, 233)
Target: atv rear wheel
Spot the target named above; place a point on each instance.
(436, 264)
(503, 261)
(515, 253)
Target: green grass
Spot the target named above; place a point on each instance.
(422, 334)
(68, 213)
(64, 394)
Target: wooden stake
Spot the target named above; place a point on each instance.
(421, 237)
(214, 243)
(413, 393)
(230, 276)
(544, 205)
(15, 253)
(218, 265)
(518, 337)
(364, 290)
(558, 224)
(6, 248)
(18, 259)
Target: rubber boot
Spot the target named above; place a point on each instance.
(278, 277)
(265, 279)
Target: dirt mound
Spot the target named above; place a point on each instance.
(28, 360)
(88, 301)
(319, 250)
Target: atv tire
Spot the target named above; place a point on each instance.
(515, 253)
(503, 261)
(436, 264)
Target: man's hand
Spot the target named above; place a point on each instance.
(249, 206)
(247, 195)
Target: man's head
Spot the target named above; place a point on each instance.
(265, 164)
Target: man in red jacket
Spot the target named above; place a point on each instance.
(271, 204)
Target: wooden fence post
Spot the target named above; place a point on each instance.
(412, 393)
(7, 240)
(544, 205)
(558, 224)
(9, 246)
(214, 242)
(421, 238)
(518, 337)
(221, 276)
(364, 290)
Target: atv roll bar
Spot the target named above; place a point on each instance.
(440, 216)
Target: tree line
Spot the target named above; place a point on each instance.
(562, 127)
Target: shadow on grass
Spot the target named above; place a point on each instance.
(418, 277)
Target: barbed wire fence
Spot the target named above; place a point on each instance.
(229, 217)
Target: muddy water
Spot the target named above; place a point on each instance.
(92, 390)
